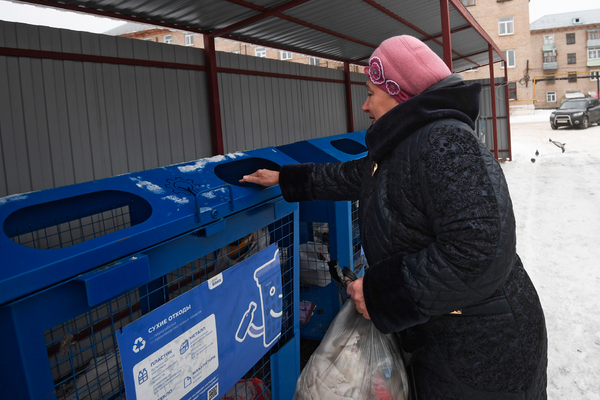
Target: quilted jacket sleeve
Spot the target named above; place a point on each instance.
(466, 200)
(328, 181)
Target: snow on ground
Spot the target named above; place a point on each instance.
(557, 209)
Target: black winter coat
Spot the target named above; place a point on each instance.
(438, 231)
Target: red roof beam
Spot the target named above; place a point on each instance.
(396, 17)
(303, 23)
(466, 15)
(408, 24)
(263, 15)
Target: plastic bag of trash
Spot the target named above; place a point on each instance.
(354, 361)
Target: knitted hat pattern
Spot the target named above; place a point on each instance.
(403, 67)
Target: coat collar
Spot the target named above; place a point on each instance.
(456, 102)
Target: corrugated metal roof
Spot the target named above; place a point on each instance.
(563, 20)
(344, 30)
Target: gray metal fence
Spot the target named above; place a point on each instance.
(485, 127)
(140, 105)
(66, 120)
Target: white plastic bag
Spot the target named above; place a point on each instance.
(314, 269)
(353, 361)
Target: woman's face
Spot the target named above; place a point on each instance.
(378, 102)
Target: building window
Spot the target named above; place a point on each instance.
(506, 26)
(237, 52)
(550, 56)
(313, 61)
(571, 58)
(593, 53)
(168, 39)
(548, 39)
(510, 58)
(572, 77)
(550, 79)
(260, 52)
(189, 39)
(551, 97)
(592, 35)
(468, 2)
(512, 90)
(570, 38)
(285, 55)
(594, 75)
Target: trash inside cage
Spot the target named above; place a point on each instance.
(83, 352)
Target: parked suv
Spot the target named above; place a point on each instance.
(576, 113)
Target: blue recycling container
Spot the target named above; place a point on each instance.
(85, 263)
(328, 231)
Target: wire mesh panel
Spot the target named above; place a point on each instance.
(83, 352)
(67, 222)
(315, 255)
(320, 298)
(77, 229)
(359, 260)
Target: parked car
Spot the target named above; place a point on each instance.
(578, 113)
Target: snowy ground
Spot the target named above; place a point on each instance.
(557, 207)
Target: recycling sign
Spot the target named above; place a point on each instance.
(201, 343)
(138, 345)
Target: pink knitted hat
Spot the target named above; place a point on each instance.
(403, 66)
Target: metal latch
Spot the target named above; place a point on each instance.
(214, 204)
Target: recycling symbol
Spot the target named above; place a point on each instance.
(139, 344)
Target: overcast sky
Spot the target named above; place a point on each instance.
(539, 8)
(36, 15)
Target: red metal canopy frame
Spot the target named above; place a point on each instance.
(277, 12)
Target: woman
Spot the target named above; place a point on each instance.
(438, 231)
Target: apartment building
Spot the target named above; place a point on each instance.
(566, 56)
(507, 23)
(163, 35)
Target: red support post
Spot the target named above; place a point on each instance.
(493, 96)
(213, 95)
(508, 113)
(348, 88)
(446, 35)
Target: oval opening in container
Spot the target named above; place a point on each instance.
(231, 172)
(348, 146)
(67, 222)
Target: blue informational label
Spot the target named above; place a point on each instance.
(201, 343)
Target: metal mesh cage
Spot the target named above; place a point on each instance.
(320, 299)
(83, 353)
(67, 222)
(360, 263)
(77, 229)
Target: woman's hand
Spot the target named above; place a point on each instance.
(263, 177)
(355, 290)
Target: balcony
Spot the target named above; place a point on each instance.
(550, 66)
(593, 43)
(550, 47)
